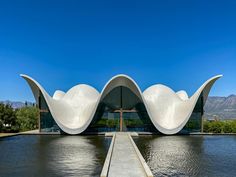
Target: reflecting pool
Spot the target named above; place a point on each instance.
(52, 155)
(189, 155)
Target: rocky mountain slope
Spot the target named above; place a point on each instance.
(221, 107)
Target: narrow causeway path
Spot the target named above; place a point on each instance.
(125, 160)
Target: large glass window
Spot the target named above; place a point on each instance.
(194, 123)
(47, 123)
(121, 110)
(105, 120)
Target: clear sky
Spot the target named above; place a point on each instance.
(63, 43)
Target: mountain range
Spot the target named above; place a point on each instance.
(17, 104)
(220, 107)
(216, 107)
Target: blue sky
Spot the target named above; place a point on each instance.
(63, 43)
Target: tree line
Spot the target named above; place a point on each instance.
(26, 118)
(16, 120)
(217, 126)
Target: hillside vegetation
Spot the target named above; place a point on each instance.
(226, 126)
(15, 120)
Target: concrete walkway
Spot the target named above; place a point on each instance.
(7, 134)
(124, 159)
(20, 133)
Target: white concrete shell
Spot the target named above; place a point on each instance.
(73, 111)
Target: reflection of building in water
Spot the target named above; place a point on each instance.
(66, 155)
(172, 155)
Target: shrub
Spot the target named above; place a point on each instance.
(27, 118)
(227, 126)
(7, 118)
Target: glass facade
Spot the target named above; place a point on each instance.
(195, 121)
(120, 110)
(47, 123)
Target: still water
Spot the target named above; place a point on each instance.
(52, 155)
(189, 155)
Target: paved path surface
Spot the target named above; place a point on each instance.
(20, 133)
(7, 134)
(124, 160)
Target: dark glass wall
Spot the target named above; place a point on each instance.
(47, 123)
(139, 121)
(107, 117)
(105, 120)
(134, 115)
(195, 121)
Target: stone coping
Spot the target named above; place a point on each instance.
(106, 165)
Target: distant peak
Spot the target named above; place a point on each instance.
(232, 95)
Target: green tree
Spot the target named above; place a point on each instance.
(206, 126)
(233, 126)
(227, 127)
(8, 121)
(216, 127)
(1, 116)
(27, 118)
